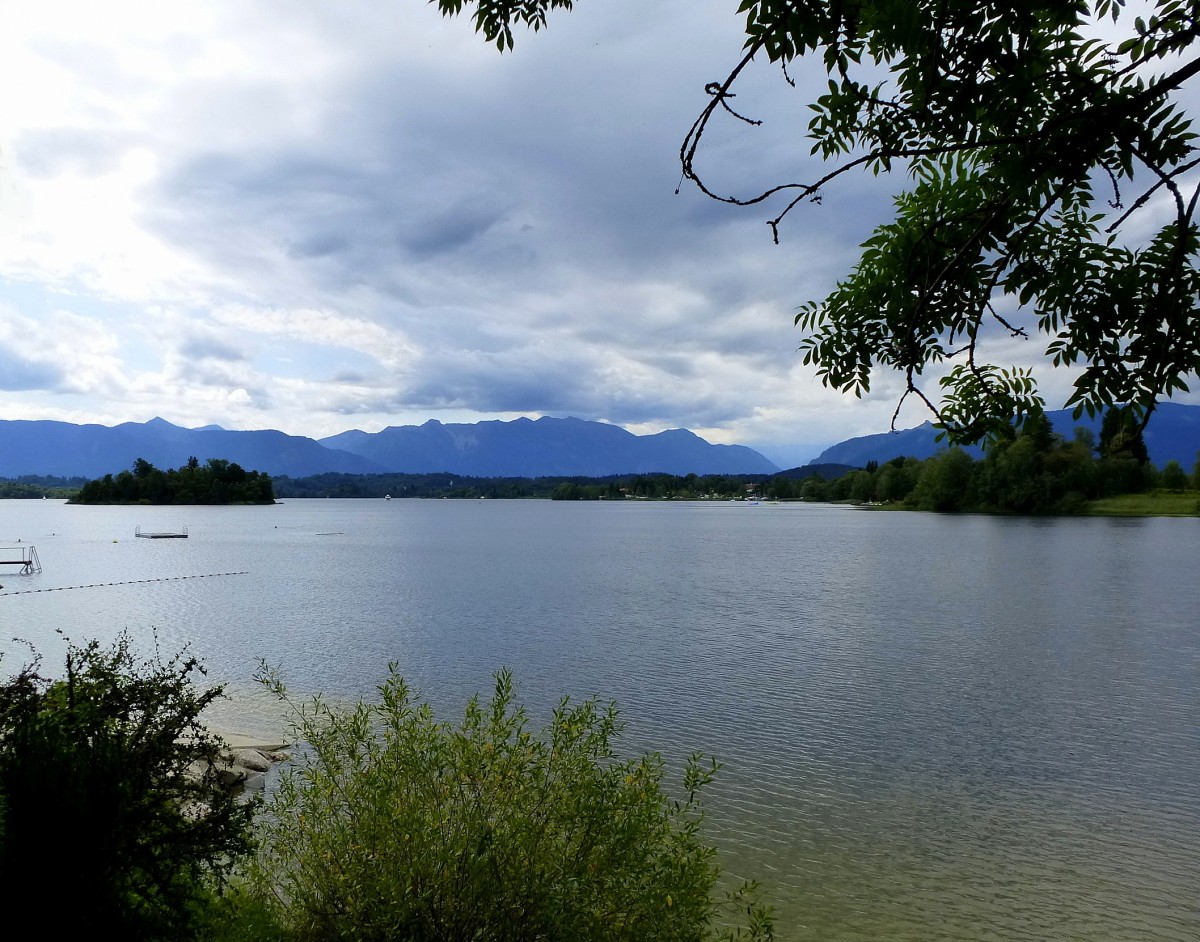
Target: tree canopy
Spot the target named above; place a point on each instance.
(112, 803)
(1048, 196)
(217, 481)
(392, 824)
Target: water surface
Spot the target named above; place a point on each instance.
(932, 727)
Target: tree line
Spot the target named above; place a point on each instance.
(217, 481)
(1030, 471)
(37, 486)
(460, 487)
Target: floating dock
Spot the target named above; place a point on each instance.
(25, 558)
(180, 534)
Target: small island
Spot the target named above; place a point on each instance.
(217, 481)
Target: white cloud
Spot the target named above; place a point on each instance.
(61, 354)
(313, 216)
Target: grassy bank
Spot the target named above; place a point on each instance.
(1151, 504)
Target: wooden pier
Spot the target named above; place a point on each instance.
(180, 534)
(25, 558)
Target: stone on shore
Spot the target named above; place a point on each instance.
(242, 767)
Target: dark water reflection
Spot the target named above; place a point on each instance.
(932, 727)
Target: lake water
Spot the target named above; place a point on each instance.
(932, 727)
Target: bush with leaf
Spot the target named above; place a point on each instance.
(111, 804)
(393, 825)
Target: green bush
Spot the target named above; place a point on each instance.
(112, 808)
(392, 825)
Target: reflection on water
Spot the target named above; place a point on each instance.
(932, 727)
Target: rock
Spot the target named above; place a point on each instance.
(231, 778)
(252, 760)
(243, 768)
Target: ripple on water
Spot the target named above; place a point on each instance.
(932, 728)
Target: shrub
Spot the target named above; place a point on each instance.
(111, 803)
(392, 825)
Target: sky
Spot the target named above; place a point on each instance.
(316, 216)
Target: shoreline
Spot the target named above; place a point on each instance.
(242, 741)
(247, 760)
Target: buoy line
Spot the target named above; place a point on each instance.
(103, 585)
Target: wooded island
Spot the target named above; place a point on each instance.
(217, 481)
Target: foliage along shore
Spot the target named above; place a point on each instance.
(217, 481)
(490, 828)
(37, 486)
(1032, 471)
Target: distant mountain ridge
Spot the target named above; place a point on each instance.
(65, 450)
(546, 447)
(521, 448)
(1173, 434)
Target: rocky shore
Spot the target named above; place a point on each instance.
(247, 760)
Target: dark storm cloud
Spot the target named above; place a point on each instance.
(354, 223)
(570, 159)
(447, 229)
(576, 150)
(221, 204)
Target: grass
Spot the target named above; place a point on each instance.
(1152, 504)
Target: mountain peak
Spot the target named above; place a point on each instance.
(569, 447)
(67, 450)
(1172, 434)
(678, 433)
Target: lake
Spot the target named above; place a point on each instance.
(932, 727)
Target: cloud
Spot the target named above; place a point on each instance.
(209, 347)
(63, 353)
(89, 152)
(286, 215)
(19, 373)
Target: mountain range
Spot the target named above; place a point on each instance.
(1172, 434)
(521, 448)
(545, 447)
(91, 451)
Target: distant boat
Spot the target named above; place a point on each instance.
(387, 496)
